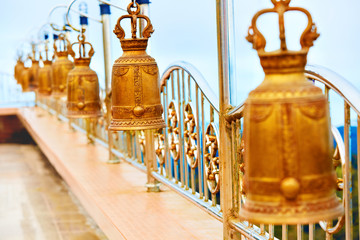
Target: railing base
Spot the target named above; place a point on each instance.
(153, 187)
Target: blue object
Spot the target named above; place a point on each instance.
(46, 36)
(67, 28)
(55, 36)
(104, 9)
(143, 1)
(83, 20)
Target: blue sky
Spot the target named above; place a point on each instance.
(186, 30)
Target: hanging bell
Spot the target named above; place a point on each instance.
(136, 103)
(83, 99)
(61, 66)
(25, 79)
(289, 176)
(45, 77)
(34, 75)
(19, 67)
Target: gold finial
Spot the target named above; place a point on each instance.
(133, 15)
(280, 7)
(82, 53)
(63, 45)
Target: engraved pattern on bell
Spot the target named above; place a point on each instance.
(288, 175)
(136, 103)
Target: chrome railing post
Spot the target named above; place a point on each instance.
(105, 20)
(226, 194)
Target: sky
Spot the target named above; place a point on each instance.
(186, 30)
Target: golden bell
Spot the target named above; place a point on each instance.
(135, 86)
(83, 99)
(61, 66)
(45, 78)
(19, 67)
(25, 79)
(34, 75)
(289, 176)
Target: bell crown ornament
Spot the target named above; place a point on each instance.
(289, 177)
(61, 45)
(61, 65)
(83, 100)
(282, 60)
(135, 96)
(84, 58)
(134, 43)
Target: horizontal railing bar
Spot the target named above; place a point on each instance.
(253, 233)
(338, 84)
(204, 87)
(195, 198)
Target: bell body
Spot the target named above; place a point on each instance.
(45, 79)
(25, 79)
(289, 177)
(83, 99)
(60, 69)
(135, 86)
(34, 80)
(19, 67)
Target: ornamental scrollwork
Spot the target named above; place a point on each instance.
(160, 147)
(211, 159)
(338, 160)
(190, 137)
(173, 131)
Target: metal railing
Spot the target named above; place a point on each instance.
(184, 156)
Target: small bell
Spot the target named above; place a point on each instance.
(61, 66)
(25, 79)
(289, 177)
(83, 99)
(45, 76)
(136, 103)
(34, 69)
(19, 67)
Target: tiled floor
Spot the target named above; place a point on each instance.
(35, 202)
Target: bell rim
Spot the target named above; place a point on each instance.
(116, 127)
(306, 217)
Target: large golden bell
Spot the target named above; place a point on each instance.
(45, 78)
(289, 176)
(61, 67)
(135, 80)
(19, 67)
(83, 99)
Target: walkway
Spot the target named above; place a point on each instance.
(34, 202)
